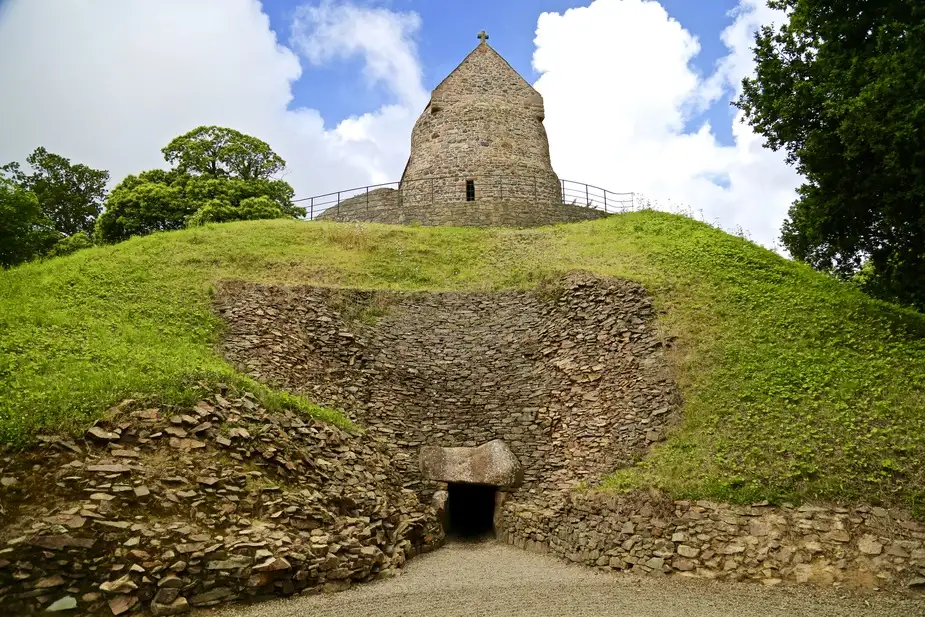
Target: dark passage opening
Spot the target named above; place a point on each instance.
(470, 190)
(471, 510)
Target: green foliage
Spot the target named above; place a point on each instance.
(221, 175)
(221, 152)
(50, 210)
(840, 87)
(796, 386)
(250, 209)
(71, 244)
(71, 196)
(25, 233)
(273, 399)
(143, 204)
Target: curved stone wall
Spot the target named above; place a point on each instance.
(387, 206)
(572, 379)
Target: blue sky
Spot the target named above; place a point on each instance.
(448, 32)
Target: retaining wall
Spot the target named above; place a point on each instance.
(651, 534)
(388, 206)
(572, 379)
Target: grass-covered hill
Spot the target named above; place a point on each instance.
(796, 386)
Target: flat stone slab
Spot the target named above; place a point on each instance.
(491, 463)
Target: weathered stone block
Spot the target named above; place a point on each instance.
(869, 546)
(492, 463)
(688, 551)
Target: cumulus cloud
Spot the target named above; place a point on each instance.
(110, 82)
(383, 37)
(619, 89)
(377, 141)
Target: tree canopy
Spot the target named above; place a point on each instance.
(219, 175)
(221, 152)
(25, 233)
(70, 195)
(55, 202)
(840, 88)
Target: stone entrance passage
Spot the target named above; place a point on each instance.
(472, 477)
(470, 510)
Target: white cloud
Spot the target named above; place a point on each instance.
(110, 82)
(384, 38)
(619, 89)
(378, 141)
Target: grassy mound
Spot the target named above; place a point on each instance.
(796, 386)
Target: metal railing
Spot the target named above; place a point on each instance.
(424, 191)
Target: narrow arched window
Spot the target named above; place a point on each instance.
(470, 190)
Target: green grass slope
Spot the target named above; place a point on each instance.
(796, 386)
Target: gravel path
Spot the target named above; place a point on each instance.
(491, 579)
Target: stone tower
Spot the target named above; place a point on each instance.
(479, 157)
(481, 137)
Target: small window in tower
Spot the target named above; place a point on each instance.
(470, 190)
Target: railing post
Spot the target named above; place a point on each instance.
(311, 212)
(587, 198)
(367, 201)
(605, 200)
(338, 203)
(562, 182)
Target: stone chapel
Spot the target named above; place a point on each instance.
(479, 157)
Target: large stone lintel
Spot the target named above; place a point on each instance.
(491, 463)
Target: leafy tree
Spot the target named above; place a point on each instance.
(219, 175)
(221, 152)
(25, 232)
(71, 195)
(840, 87)
(71, 244)
(144, 204)
(232, 191)
(250, 209)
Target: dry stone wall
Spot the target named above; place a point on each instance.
(864, 546)
(572, 379)
(163, 509)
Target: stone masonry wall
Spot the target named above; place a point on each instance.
(572, 379)
(863, 546)
(484, 125)
(388, 207)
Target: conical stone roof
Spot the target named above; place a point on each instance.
(483, 127)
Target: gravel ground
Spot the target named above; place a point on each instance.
(489, 579)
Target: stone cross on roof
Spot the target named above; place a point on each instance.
(483, 35)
